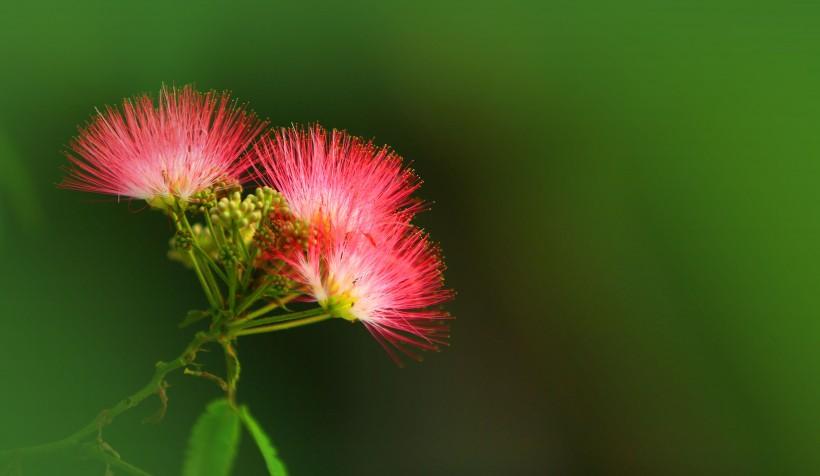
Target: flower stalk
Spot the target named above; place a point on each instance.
(251, 320)
(246, 331)
(207, 280)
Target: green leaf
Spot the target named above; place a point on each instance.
(275, 465)
(214, 440)
(192, 317)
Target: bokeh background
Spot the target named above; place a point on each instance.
(625, 193)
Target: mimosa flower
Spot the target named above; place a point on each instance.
(355, 253)
(188, 142)
(389, 285)
(334, 178)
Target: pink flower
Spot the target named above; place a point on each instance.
(191, 141)
(389, 285)
(362, 261)
(338, 179)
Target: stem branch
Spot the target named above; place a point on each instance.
(93, 451)
(246, 322)
(209, 284)
(265, 309)
(282, 326)
(153, 386)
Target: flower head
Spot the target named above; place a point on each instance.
(346, 238)
(188, 142)
(334, 178)
(389, 285)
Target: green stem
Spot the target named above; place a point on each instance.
(207, 376)
(237, 234)
(245, 324)
(282, 326)
(246, 278)
(94, 451)
(232, 369)
(232, 287)
(210, 261)
(219, 242)
(206, 288)
(208, 277)
(265, 309)
(253, 297)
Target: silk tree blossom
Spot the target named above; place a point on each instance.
(188, 142)
(336, 179)
(350, 204)
(390, 285)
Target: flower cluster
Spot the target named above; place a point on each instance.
(366, 262)
(331, 221)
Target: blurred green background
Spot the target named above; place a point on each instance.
(625, 193)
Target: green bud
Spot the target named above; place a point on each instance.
(182, 240)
